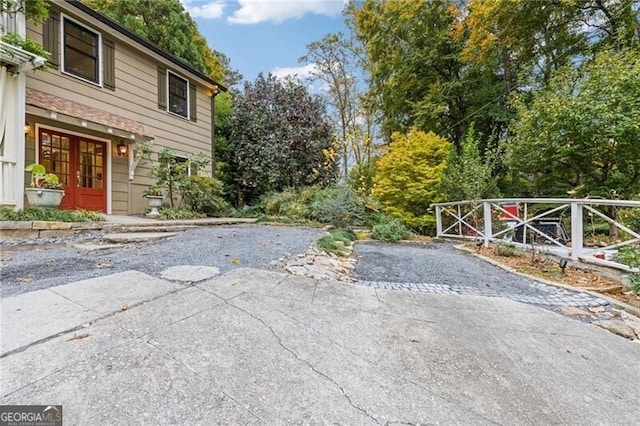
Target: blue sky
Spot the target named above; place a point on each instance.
(266, 35)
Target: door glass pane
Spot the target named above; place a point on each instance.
(55, 155)
(91, 165)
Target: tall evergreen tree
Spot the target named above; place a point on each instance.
(282, 138)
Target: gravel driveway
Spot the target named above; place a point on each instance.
(440, 268)
(33, 267)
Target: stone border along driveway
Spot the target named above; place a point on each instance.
(582, 305)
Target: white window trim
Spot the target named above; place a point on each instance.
(62, 45)
(188, 117)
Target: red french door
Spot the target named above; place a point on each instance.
(80, 164)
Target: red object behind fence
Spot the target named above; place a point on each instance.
(510, 213)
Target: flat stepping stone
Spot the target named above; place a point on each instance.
(93, 246)
(189, 273)
(131, 237)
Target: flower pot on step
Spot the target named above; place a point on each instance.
(42, 197)
(155, 201)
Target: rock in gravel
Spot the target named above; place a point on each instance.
(573, 311)
(618, 327)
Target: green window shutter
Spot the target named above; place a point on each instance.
(109, 64)
(162, 88)
(51, 38)
(193, 101)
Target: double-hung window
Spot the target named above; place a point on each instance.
(81, 51)
(178, 95)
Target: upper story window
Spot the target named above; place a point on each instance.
(178, 95)
(81, 51)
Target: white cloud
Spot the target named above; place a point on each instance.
(256, 11)
(208, 9)
(300, 72)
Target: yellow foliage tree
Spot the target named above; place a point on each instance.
(408, 177)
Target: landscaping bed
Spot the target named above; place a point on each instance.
(540, 266)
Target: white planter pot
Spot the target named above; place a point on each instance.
(155, 201)
(40, 197)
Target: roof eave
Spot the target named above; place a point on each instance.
(145, 42)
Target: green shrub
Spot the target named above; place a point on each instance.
(292, 203)
(408, 175)
(172, 213)
(344, 235)
(336, 242)
(628, 255)
(634, 282)
(32, 214)
(390, 229)
(339, 206)
(631, 218)
(203, 194)
(505, 249)
(330, 245)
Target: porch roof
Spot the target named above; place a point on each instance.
(84, 112)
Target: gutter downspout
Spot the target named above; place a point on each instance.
(214, 93)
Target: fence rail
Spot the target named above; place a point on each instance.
(564, 225)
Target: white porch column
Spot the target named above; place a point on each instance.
(13, 106)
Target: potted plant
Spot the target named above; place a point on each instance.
(155, 195)
(45, 189)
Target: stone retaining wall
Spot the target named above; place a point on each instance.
(44, 229)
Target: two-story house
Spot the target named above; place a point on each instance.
(106, 90)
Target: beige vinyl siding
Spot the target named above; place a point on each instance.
(135, 97)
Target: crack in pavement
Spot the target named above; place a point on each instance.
(204, 379)
(386, 370)
(307, 363)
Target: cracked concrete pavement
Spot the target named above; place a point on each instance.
(257, 347)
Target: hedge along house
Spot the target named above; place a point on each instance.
(106, 91)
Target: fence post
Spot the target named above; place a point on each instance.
(438, 221)
(576, 230)
(488, 228)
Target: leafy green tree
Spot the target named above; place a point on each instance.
(173, 174)
(167, 24)
(580, 134)
(336, 60)
(408, 177)
(417, 75)
(531, 39)
(469, 175)
(282, 138)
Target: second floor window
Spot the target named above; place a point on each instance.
(178, 95)
(81, 51)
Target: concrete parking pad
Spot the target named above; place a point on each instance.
(189, 273)
(258, 347)
(110, 293)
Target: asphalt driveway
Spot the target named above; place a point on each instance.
(192, 346)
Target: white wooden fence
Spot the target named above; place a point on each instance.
(486, 221)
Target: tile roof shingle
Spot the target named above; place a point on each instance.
(65, 106)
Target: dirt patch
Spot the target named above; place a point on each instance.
(542, 267)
